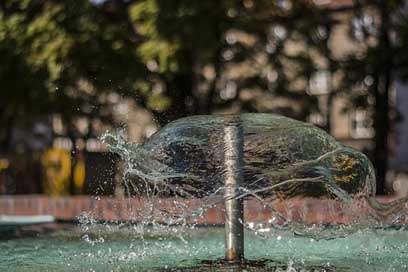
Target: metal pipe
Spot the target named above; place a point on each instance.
(234, 209)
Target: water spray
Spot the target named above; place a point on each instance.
(234, 208)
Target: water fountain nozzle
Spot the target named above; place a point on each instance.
(234, 209)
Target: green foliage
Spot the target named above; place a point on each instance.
(49, 48)
(181, 40)
(174, 57)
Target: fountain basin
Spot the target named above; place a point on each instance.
(121, 248)
(123, 244)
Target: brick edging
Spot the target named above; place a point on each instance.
(311, 211)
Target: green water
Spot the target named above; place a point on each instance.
(123, 249)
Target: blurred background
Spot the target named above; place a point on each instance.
(71, 70)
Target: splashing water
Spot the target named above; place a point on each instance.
(283, 159)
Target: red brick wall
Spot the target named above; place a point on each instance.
(68, 208)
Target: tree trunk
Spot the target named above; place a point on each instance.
(180, 89)
(8, 134)
(329, 105)
(382, 84)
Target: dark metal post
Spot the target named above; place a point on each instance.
(234, 209)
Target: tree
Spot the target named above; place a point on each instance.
(64, 58)
(61, 57)
(195, 50)
(174, 58)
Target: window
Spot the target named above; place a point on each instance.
(317, 119)
(319, 83)
(361, 124)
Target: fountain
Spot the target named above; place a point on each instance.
(259, 155)
(201, 163)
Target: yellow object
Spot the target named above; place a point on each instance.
(79, 174)
(56, 163)
(4, 164)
